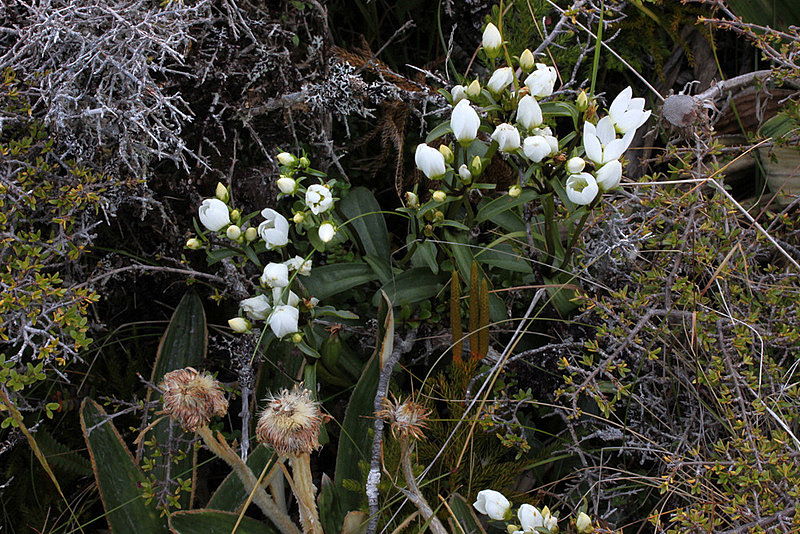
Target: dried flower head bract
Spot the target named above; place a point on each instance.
(192, 398)
(291, 422)
(407, 418)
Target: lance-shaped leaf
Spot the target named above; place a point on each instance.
(118, 477)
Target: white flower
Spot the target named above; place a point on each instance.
(239, 325)
(287, 159)
(214, 214)
(600, 142)
(299, 264)
(492, 40)
(582, 188)
(318, 199)
(283, 320)
(507, 137)
(278, 294)
(584, 523)
(529, 113)
(274, 230)
(326, 232)
(609, 175)
(530, 518)
(256, 308)
(459, 93)
(627, 113)
(575, 165)
(465, 122)
(492, 503)
(275, 275)
(536, 148)
(287, 185)
(430, 161)
(541, 81)
(500, 79)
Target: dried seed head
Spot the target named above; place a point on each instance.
(192, 398)
(407, 418)
(291, 422)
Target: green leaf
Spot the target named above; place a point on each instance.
(466, 517)
(492, 208)
(230, 495)
(461, 251)
(425, 255)
(443, 129)
(118, 477)
(503, 256)
(355, 443)
(408, 287)
(184, 344)
(329, 280)
(370, 229)
(215, 522)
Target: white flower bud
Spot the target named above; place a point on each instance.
(584, 524)
(465, 122)
(233, 232)
(221, 193)
(430, 161)
(275, 275)
(287, 185)
(536, 148)
(287, 159)
(514, 191)
(492, 40)
(326, 232)
(465, 174)
(609, 175)
(214, 214)
(507, 137)
(194, 244)
(492, 503)
(474, 89)
(318, 199)
(526, 61)
(542, 80)
(500, 79)
(459, 93)
(439, 196)
(251, 234)
(575, 165)
(412, 200)
(239, 325)
(529, 113)
(257, 308)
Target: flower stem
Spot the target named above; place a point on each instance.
(305, 491)
(248, 479)
(414, 495)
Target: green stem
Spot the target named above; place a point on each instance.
(576, 233)
(249, 481)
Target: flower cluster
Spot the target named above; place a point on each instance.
(275, 303)
(511, 106)
(531, 519)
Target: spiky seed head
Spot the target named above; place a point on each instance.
(192, 398)
(291, 422)
(407, 418)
